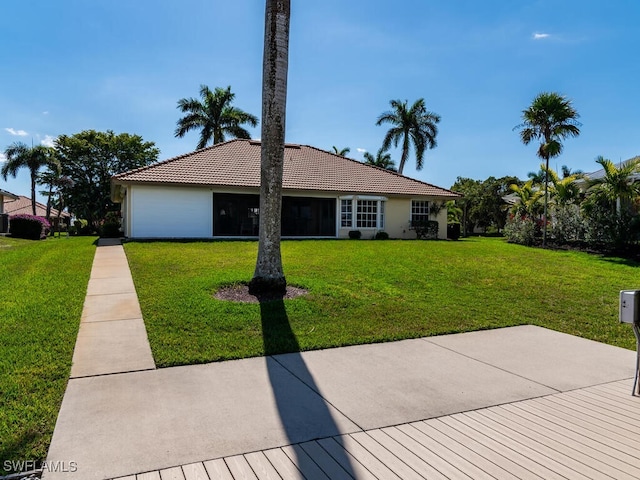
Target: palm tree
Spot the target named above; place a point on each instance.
(268, 277)
(382, 160)
(618, 184)
(415, 125)
(563, 190)
(528, 204)
(49, 178)
(214, 116)
(19, 155)
(550, 119)
(341, 152)
(567, 172)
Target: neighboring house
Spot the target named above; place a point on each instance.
(4, 217)
(600, 173)
(214, 193)
(22, 205)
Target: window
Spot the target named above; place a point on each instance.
(346, 213)
(419, 211)
(367, 214)
(362, 212)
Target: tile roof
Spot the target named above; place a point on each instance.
(236, 163)
(5, 194)
(600, 173)
(23, 206)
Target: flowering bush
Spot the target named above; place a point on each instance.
(567, 224)
(29, 226)
(520, 229)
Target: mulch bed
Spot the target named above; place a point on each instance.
(240, 293)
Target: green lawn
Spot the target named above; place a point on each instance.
(44, 285)
(370, 291)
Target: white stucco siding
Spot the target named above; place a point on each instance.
(170, 212)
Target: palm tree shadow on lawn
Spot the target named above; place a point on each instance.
(305, 415)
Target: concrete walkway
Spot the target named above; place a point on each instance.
(112, 337)
(122, 417)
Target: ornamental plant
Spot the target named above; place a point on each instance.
(30, 227)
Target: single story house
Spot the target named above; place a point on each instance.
(4, 217)
(214, 193)
(21, 205)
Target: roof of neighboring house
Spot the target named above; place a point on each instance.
(5, 194)
(22, 205)
(236, 163)
(600, 173)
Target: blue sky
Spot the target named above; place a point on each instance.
(72, 65)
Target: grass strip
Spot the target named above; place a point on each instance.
(45, 283)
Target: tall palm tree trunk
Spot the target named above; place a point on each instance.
(33, 192)
(268, 276)
(546, 202)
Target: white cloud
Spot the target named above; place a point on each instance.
(3, 157)
(361, 150)
(47, 141)
(540, 36)
(19, 133)
(46, 112)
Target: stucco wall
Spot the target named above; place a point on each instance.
(169, 212)
(398, 221)
(187, 212)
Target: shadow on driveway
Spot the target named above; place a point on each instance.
(301, 422)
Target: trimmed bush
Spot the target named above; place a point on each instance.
(355, 234)
(426, 230)
(382, 236)
(520, 230)
(111, 226)
(30, 227)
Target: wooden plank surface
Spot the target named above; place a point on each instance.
(589, 433)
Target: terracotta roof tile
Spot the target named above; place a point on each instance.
(23, 206)
(236, 163)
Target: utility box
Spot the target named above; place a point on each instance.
(630, 313)
(630, 306)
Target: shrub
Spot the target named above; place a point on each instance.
(427, 229)
(81, 227)
(111, 226)
(355, 234)
(28, 226)
(520, 230)
(567, 224)
(382, 236)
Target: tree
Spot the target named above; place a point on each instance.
(268, 277)
(610, 208)
(528, 203)
(618, 186)
(214, 116)
(415, 126)
(567, 172)
(382, 160)
(89, 159)
(482, 203)
(19, 155)
(564, 190)
(341, 152)
(49, 178)
(550, 118)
